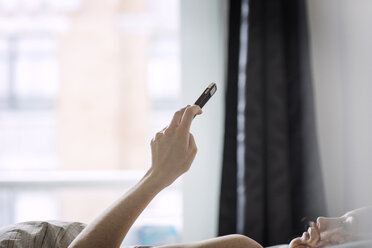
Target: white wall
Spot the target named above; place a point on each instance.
(341, 38)
(203, 58)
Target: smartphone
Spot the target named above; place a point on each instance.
(206, 95)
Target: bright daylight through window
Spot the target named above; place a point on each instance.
(84, 85)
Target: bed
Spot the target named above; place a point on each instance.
(60, 234)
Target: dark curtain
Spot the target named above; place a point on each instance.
(278, 187)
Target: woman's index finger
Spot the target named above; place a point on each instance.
(188, 116)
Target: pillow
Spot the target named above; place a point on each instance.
(352, 244)
(355, 244)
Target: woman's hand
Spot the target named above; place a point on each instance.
(173, 149)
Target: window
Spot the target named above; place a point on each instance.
(84, 85)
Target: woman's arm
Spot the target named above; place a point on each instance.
(173, 151)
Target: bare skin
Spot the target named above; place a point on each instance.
(173, 151)
(331, 231)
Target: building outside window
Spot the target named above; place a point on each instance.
(84, 85)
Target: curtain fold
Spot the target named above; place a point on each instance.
(228, 195)
(271, 176)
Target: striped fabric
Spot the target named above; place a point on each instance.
(41, 234)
